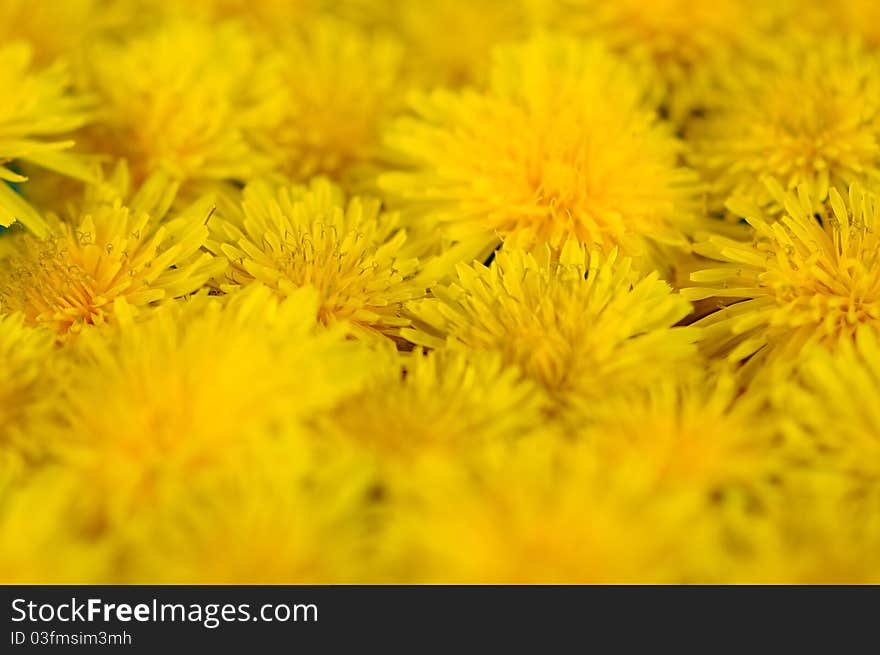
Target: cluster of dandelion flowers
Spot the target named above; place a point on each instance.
(811, 276)
(580, 325)
(473, 291)
(109, 254)
(590, 160)
(805, 114)
(351, 252)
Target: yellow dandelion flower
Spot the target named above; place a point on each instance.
(292, 237)
(812, 275)
(810, 115)
(274, 516)
(447, 401)
(37, 115)
(589, 160)
(111, 253)
(834, 419)
(196, 384)
(692, 433)
(582, 326)
(331, 86)
(26, 394)
(177, 100)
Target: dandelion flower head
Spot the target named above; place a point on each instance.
(590, 160)
(108, 253)
(350, 251)
(578, 325)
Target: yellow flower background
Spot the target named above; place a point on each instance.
(481, 291)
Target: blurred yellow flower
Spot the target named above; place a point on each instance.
(457, 402)
(549, 511)
(193, 387)
(435, 58)
(806, 113)
(26, 395)
(687, 43)
(331, 86)
(833, 421)
(177, 100)
(276, 514)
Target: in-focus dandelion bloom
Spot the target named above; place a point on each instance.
(26, 395)
(450, 401)
(37, 115)
(331, 87)
(812, 275)
(805, 113)
(291, 237)
(177, 100)
(583, 326)
(560, 144)
(110, 253)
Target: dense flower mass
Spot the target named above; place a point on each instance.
(473, 291)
